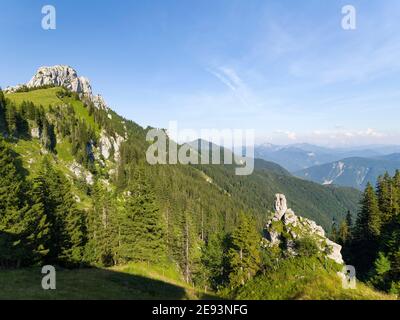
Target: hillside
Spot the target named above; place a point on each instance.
(353, 172)
(268, 179)
(85, 196)
(320, 203)
(305, 279)
(131, 282)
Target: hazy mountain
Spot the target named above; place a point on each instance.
(352, 172)
(296, 157)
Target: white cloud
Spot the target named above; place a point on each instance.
(230, 78)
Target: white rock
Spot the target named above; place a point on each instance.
(280, 205)
(60, 76)
(297, 227)
(35, 133)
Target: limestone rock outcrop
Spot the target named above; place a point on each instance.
(63, 76)
(285, 228)
(59, 75)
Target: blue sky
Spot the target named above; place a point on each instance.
(284, 68)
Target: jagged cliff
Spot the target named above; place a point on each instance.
(285, 228)
(62, 76)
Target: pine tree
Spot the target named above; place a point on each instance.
(369, 221)
(387, 198)
(103, 228)
(141, 227)
(23, 225)
(66, 223)
(381, 271)
(363, 248)
(244, 252)
(212, 261)
(343, 233)
(11, 119)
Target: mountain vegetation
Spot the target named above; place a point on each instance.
(372, 243)
(76, 191)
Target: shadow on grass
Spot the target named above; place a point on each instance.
(90, 284)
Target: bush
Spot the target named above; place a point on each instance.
(306, 247)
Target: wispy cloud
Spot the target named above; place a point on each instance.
(230, 78)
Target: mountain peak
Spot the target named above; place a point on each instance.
(61, 75)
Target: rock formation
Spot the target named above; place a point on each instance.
(286, 228)
(280, 205)
(64, 76)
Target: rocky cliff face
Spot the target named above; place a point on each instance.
(285, 228)
(63, 76)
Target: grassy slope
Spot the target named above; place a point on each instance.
(47, 97)
(299, 279)
(132, 282)
(44, 97)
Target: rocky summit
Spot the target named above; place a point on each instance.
(63, 76)
(286, 228)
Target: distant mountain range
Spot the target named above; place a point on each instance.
(352, 172)
(297, 157)
(350, 167)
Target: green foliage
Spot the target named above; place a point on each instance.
(244, 252)
(303, 278)
(307, 247)
(23, 226)
(142, 234)
(373, 249)
(157, 215)
(66, 239)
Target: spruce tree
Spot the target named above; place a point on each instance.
(244, 252)
(387, 198)
(365, 241)
(11, 119)
(23, 225)
(103, 227)
(66, 223)
(369, 220)
(142, 232)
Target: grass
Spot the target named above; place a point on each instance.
(44, 97)
(31, 154)
(47, 97)
(131, 282)
(64, 151)
(82, 113)
(305, 279)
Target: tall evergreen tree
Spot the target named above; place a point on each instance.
(369, 219)
(244, 252)
(103, 228)
(11, 119)
(66, 222)
(365, 242)
(142, 232)
(387, 198)
(23, 225)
